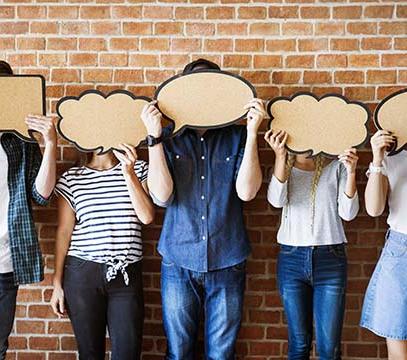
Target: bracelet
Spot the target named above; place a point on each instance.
(376, 169)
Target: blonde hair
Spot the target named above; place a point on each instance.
(319, 166)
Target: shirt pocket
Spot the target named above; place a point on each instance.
(394, 249)
(183, 169)
(224, 169)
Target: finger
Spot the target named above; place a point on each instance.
(132, 150)
(129, 155)
(285, 138)
(119, 155)
(54, 307)
(62, 306)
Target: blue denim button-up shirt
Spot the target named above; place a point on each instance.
(24, 161)
(203, 228)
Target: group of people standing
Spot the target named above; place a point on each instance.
(202, 177)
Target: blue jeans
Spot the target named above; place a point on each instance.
(185, 294)
(312, 284)
(8, 295)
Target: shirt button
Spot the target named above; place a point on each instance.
(177, 156)
(203, 177)
(202, 139)
(203, 237)
(203, 197)
(203, 217)
(203, 157)
(228, 158)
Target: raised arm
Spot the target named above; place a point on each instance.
(377, 184)
(277, 190)
(160, 183)
(348, 200)
(46, 176)
(249, 177)
(140, 199)
(66, 223)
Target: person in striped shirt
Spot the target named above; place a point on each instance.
(98, 273)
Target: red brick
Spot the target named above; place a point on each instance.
(283, 12)
(393, 28)
(264, 29)
(249, 45)
(237, 61)
(95, 12)
(218, 45)
(347, 12)
(136, 28)
(349, 77)
(317, 77)
(220, 12)
(252, 12)
(331, 61)
(315, 12)
(299, 61)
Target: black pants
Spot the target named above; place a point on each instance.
(93, 303)
(8, 295)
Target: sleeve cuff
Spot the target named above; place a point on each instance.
(38, 198)
(161, 203)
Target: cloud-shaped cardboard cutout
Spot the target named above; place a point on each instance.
(391, 115)
(327, 125)
(94, 121)
(204, 99)
(20, 95)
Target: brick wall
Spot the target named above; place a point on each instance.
(350, 47)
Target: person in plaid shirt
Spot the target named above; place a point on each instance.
(25, 175)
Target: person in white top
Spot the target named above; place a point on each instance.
(26, 174)
(315, 194)
(98, 252)
(385, 305)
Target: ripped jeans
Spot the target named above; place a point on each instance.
(312, 285)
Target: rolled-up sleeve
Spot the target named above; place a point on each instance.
(348, 208)
(277, 192)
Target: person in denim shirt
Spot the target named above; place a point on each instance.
(24, 176)
(202, 177)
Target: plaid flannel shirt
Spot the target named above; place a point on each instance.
(24, 160)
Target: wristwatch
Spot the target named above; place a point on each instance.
(152, 140)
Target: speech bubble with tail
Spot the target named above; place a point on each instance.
(391, 115)
(94, 121)
(325, 125)
(20, 95)
(204, 99)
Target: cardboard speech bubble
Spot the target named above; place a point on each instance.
(325, 125)
(20, 95)
(391, 115)
(204, 99)
(95, 121)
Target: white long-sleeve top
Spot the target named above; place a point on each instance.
(331, 205)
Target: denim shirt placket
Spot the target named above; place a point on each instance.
(203, 165)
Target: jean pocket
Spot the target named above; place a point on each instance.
(167, 263)
(239, 267)
(287, 249)
(338, 250)
(74, 262)
(394, 249)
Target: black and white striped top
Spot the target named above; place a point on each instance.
(107, 229)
